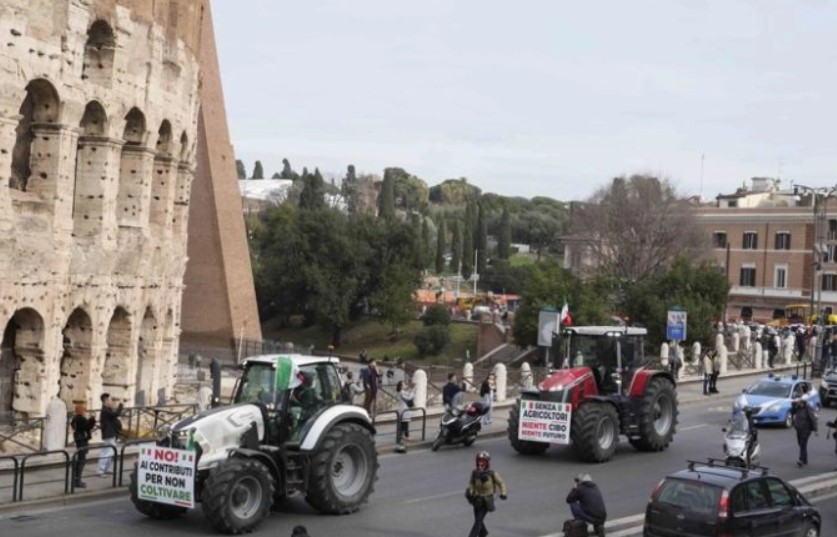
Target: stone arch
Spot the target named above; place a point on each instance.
(76, 359)
(184, 147)
(148, 355)
(99, 52)
(135, 165)
(41, 106)
(22, 365)
(91, 167)
(164, 139)
(116, 377)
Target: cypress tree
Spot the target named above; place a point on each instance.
(440, 248)
(240, 169)
(482, 240)
(386, 200)
(258, 171)
(468, 251)
(504, 242)
(455, 247)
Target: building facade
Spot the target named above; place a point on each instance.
(99, 104)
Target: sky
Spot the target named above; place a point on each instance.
(536, 97)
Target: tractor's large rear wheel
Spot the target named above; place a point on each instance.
(595, 431)
(344, 470)
(156, 510)
(237, 495)
(524, 447)
(658, 416)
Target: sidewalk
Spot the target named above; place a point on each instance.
(46, 484)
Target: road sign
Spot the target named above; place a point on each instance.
(545, 421)
(166, 475)
(676, 325)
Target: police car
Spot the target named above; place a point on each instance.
(771, 397)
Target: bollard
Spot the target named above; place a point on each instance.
(664, 354)
(696, 350)
(468, 376)
(719, 341)
(500, 379)
(736, 341)
(757, 356)
(526, 378)
(747, 336)
(420, 388)
(787, 349)
(724, 354)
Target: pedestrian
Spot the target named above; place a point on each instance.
(82, 427)
(405, 403)
(805, 423)
(716, 372)
(482, 486)
(487, 394)
(773, 343)
(708, 370)
(370, 377)
(587, 504)
(351, 389)
(111, 427)
(450, 390)
(675, 363)
(299, 531)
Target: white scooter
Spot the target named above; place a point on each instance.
(741, 444)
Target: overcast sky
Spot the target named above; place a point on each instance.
(531, 98)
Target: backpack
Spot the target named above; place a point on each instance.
(575, 528)
(347, 391)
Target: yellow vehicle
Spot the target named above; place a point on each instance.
(799, 314)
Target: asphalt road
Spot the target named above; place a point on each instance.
(420, 494)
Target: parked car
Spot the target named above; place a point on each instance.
(711, 499)
(828, 387)
(771, 397)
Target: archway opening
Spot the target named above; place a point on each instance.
(116, 377)
(22, 366)
(88, 200)
(99, 52)
(134, 172)
(41, 105)
(76, 359)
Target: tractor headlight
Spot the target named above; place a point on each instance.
(556, 388)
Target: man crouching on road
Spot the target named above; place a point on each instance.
(587, 504)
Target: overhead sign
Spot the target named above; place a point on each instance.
(676, 325)
(548, 322)
(545, 421)
(166, 475)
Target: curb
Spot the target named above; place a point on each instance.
(63, 500)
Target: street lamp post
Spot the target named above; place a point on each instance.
(820, 203)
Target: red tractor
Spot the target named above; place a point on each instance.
(603, 390)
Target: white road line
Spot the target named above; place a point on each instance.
(690, 427)
(434, 497)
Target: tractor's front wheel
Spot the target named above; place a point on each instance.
(156, 510)
(658, 416)
(524, 447)
(595, 431)
(343, 471)
(237, 495)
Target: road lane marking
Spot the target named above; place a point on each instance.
(690, 427)
(434, 497)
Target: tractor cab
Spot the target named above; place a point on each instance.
(612, 353)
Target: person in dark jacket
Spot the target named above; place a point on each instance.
(805, 423)
(450, 389)
(111, 427)
(482, 487)
(371, 378)
(82, 433)
(587, 504)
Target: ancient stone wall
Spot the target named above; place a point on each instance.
(99, 102)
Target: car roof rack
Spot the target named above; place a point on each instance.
(722, 463)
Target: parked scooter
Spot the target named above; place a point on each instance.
(741, 441)
(461, 423)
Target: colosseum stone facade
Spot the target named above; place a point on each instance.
(98, 119)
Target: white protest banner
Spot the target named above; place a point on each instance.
(166, 475)
(545, 421)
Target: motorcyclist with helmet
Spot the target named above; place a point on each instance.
(482, 486)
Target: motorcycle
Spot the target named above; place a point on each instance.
(460, 423)
(741, 444)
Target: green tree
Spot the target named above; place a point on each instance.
(426, 243)
(440, 248)
(275, 175)
(481, 240)
(393, 300)
(467, 250)
(386, 201)
(312, 196)
(258, 171)
(454, 192)
(504, 241)
(455, 247)
(549, 284)
(351, 190)
(436, 314)
(287, 171)
(240, 169)
(700, 288)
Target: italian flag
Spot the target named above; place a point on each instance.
(566, 318)
(287, 374)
